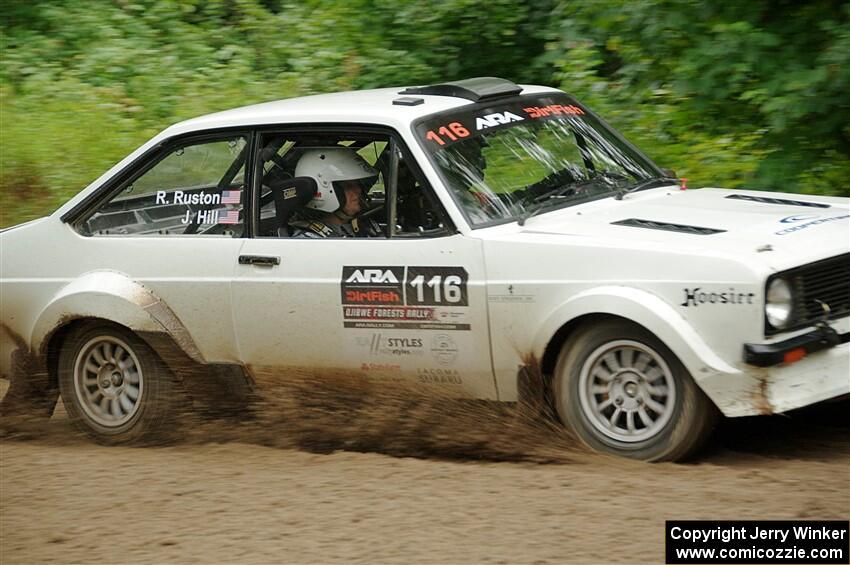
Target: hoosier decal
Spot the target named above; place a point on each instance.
(697, 296)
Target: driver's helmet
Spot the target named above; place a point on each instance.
(331, 168)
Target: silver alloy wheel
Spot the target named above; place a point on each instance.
(627, 391)
(108, 381)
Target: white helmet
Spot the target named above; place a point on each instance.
(330, 167)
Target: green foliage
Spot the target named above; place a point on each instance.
(739, 94)
(729, 94)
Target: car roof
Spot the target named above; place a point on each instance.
(361, 106)
(355, 107)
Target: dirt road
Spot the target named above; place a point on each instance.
(271, 492)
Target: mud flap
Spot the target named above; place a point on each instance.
(31, 395)
(215, 390)
(535, 391)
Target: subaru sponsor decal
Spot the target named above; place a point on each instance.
(439, 376)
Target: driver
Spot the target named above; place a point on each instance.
(343, 178)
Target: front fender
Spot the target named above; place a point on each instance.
(112, 296)
(645, 309)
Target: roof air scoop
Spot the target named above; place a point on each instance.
(476, 89)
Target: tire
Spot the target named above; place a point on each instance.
(622, 391)
(114, 386)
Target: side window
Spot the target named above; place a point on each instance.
(336, 185)
(194, 188)
(321, 185)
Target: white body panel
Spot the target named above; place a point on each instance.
(74, 276)
(292, 314)
(524, 282)
(573, 262)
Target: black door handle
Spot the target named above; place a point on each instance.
(263, 260)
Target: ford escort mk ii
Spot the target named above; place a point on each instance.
(461, 236)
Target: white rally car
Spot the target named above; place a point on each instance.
(513, 231)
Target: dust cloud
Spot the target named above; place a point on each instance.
(333, 469)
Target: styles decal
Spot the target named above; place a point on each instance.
(441, 346)
(383, 345)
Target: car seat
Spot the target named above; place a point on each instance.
(290, 195)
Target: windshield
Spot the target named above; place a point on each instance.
(508, 161)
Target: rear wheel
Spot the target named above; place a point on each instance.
(623, 391)
(114, 387)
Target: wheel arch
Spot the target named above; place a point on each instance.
(553, 347)
(632, 305)
(113, 298)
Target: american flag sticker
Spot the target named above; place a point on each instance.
(228, 217)
(231, 197)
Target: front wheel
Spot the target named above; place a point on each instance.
(622, 391)
(114, 387)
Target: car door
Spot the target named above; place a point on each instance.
(411, 307)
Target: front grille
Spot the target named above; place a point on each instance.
(666, 226)
(824, 282)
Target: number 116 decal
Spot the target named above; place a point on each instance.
(436, 286)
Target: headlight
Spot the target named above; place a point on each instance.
(779, 303)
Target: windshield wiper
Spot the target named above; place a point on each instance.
(643, 185)
(544, 200)
(561, 192)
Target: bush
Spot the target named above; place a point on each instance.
(729, 95)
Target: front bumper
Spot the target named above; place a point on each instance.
(818, 377)
(753, 390)
(794, 349)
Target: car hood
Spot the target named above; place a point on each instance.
(23, 224)
(781, 230)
